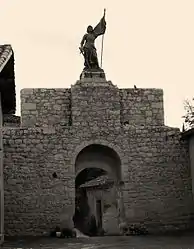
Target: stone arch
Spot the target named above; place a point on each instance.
(88, 157)
(109, 154)
(115, 149)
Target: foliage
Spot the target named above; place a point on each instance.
(189, 115)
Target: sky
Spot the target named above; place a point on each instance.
(148, 43)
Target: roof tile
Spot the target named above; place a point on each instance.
(5, 53)
(99, 181)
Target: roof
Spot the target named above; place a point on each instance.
(7, 79)
(5, 54)
(99, 181)
(188, 133)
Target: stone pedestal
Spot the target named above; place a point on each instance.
(95, 103)
(98, 73)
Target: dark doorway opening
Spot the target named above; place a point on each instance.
(99, 213)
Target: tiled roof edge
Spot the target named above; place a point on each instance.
(4, 58)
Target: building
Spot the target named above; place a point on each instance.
(7, 108)
(103, 203)
(94, 124)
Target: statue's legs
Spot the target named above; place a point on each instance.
(91, 59)
(86, 58)
(94, 59)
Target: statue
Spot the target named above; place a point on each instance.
(87, 47)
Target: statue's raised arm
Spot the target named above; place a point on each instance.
(101, 26)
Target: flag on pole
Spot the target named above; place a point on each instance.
(100, 30)
(101, 26)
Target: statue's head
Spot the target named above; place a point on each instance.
(89, 29)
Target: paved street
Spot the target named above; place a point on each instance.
(176, 242)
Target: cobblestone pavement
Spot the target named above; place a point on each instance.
(147, 242)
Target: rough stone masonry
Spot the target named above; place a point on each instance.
(58, 124)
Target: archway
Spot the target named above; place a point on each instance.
(99, 156)
(94, 162)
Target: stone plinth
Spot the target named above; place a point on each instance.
(93, 74)
(95, 101)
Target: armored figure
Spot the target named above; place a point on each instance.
(87, 46)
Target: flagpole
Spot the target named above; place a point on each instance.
(102, 49)
(102, 43)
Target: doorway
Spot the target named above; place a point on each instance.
(84, 217)
(92, 162)
(99, 214)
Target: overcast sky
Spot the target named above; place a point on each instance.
(149, 43)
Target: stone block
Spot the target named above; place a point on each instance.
(29, 106)
(27, 91)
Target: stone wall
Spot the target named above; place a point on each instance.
(35, 201)
(45, 107)
(100, 103)
(158, 179)
(154, 160)
(142, 107)
(97, 103)
(156, 173)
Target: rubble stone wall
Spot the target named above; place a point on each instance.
(43, 107)
(157, 178)
(142, 107)
(35, 201)
(154, 160)
(97, 103)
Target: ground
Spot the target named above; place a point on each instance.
(133, 242)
